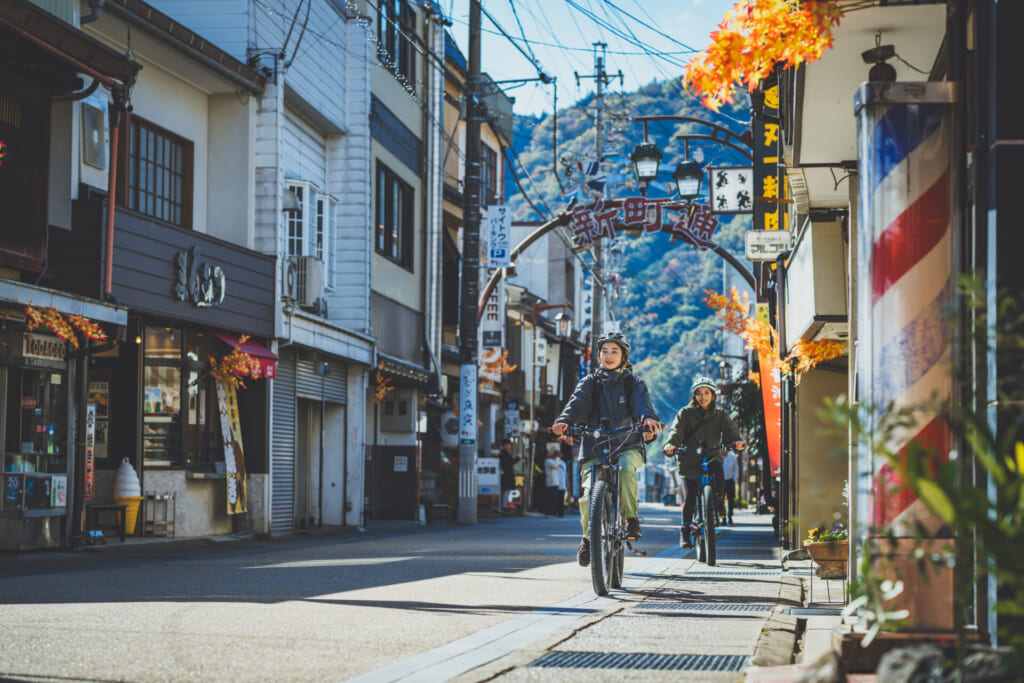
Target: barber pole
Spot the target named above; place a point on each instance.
(905, 280)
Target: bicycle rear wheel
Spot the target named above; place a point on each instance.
(602, 534)
(709, 524)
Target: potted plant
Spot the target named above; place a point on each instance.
(829, 548)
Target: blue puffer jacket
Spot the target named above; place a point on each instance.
(580, 408)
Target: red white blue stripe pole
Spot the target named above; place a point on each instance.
(905, 282)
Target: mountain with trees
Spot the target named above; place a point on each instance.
(658, 285)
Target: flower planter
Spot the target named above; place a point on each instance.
(831, 557)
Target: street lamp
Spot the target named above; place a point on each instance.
(646, 157)
(564, 323)
(688, 175)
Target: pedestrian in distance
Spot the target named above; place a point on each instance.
(507, 465)
(614, 393)
(562, 482)
(702, 421)
(552, 504)
(731, 472)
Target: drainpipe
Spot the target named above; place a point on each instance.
(97, 9)
(783, 495)
(115, 121)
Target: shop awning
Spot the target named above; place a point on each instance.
(267, 358)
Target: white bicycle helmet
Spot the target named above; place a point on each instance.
(704, 382)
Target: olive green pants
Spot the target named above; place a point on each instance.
(629, 462)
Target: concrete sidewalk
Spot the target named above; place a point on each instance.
(674, 619)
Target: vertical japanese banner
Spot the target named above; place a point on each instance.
(90, 451)
(770, 185)
(499, 236)
(234, 455)
(905, 278)
(771, 396)
(496, 248)
(467, 407)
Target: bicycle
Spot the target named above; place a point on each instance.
(607, 532)
(705, 513)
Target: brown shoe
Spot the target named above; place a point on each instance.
(633, 532)
(583, 553)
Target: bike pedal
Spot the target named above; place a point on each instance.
(641, 553)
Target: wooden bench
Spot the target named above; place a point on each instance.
(92, 517)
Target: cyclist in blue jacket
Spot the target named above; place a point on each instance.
(615, 393)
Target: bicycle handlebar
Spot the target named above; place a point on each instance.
(581, 430)
(699, 450)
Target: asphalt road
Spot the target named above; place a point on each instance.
(329, 606)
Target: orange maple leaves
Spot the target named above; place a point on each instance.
(236, 364)
(64, 328)
(382, 385)
(752, 38)
(762, 337)
(498, 366)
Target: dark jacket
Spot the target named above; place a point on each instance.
(507, 461)
(692, 425)
(580, 408)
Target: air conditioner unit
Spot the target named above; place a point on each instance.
(309, 280)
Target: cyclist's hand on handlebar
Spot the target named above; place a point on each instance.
(740, 445)
(652, 428)
(559, 429)
(669, 450)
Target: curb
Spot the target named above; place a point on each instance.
(777, 644)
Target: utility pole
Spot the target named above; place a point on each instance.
(602, 78)
(471, 211)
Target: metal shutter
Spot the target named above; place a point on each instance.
(310, 385)
(282, 456)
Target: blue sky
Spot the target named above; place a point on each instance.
(647, 40)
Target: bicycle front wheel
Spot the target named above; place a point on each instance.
(709, 524)
(602, 537)
(618, 564)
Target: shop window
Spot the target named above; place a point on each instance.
(35, 428)
(203, 446)
(181, 426)
(161, 398)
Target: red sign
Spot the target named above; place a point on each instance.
(28, 402)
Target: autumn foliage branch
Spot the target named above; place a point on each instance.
(762, 337)
(752, 38)
(237, 364)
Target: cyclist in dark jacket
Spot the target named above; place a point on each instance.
(611, 380)
(700, 421)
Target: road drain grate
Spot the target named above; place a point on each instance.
(603, 660)
(705, 607)
(728, 573)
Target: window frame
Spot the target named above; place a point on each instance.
(317, 227)
(490, 175)
(396, 29)
(389, 188)
(127, 187)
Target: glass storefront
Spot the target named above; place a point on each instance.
(33, 431)
(180, 427)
